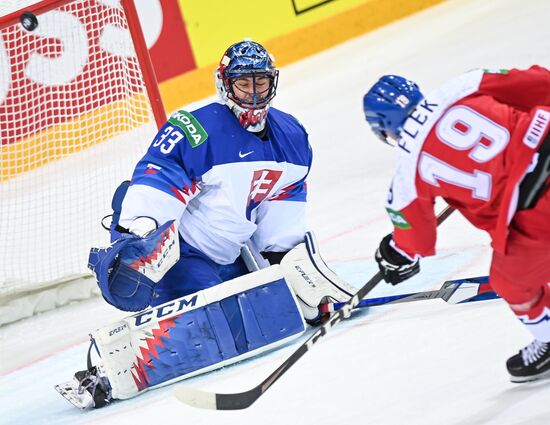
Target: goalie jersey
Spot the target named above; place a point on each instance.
(224, 184)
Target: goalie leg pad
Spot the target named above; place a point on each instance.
(200, 332)
(312, 280)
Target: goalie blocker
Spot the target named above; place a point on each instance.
(212, 328)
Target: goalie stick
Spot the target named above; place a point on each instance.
(453, 292)
(242, 400)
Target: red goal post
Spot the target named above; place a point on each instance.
(79, 104)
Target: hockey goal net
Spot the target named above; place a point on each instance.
(78, 106)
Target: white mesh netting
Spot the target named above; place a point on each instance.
(74, 119)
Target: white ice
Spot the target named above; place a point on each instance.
(419, 363)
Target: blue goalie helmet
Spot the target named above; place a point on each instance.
(388, 104)
(246, 80)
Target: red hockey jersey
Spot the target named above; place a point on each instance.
(470, 142)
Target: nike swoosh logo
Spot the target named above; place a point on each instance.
(242, 155)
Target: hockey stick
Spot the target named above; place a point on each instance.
(453, 292)
(242, 400)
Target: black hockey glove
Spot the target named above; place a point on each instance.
(395, 267)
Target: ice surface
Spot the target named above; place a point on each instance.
(420, 363)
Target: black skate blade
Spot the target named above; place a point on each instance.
(531, 378)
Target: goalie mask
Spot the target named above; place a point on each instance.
(246, 80)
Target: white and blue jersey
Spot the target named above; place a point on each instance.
(224, 184)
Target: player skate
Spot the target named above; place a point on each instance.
(512, 205)
(531, 363)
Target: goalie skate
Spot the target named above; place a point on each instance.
(74, 394)
(87, 389)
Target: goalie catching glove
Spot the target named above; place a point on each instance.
(128, 270)
(394, 266)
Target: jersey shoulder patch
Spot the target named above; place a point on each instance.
(194, 131)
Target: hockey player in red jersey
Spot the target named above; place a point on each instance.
(482, 143)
